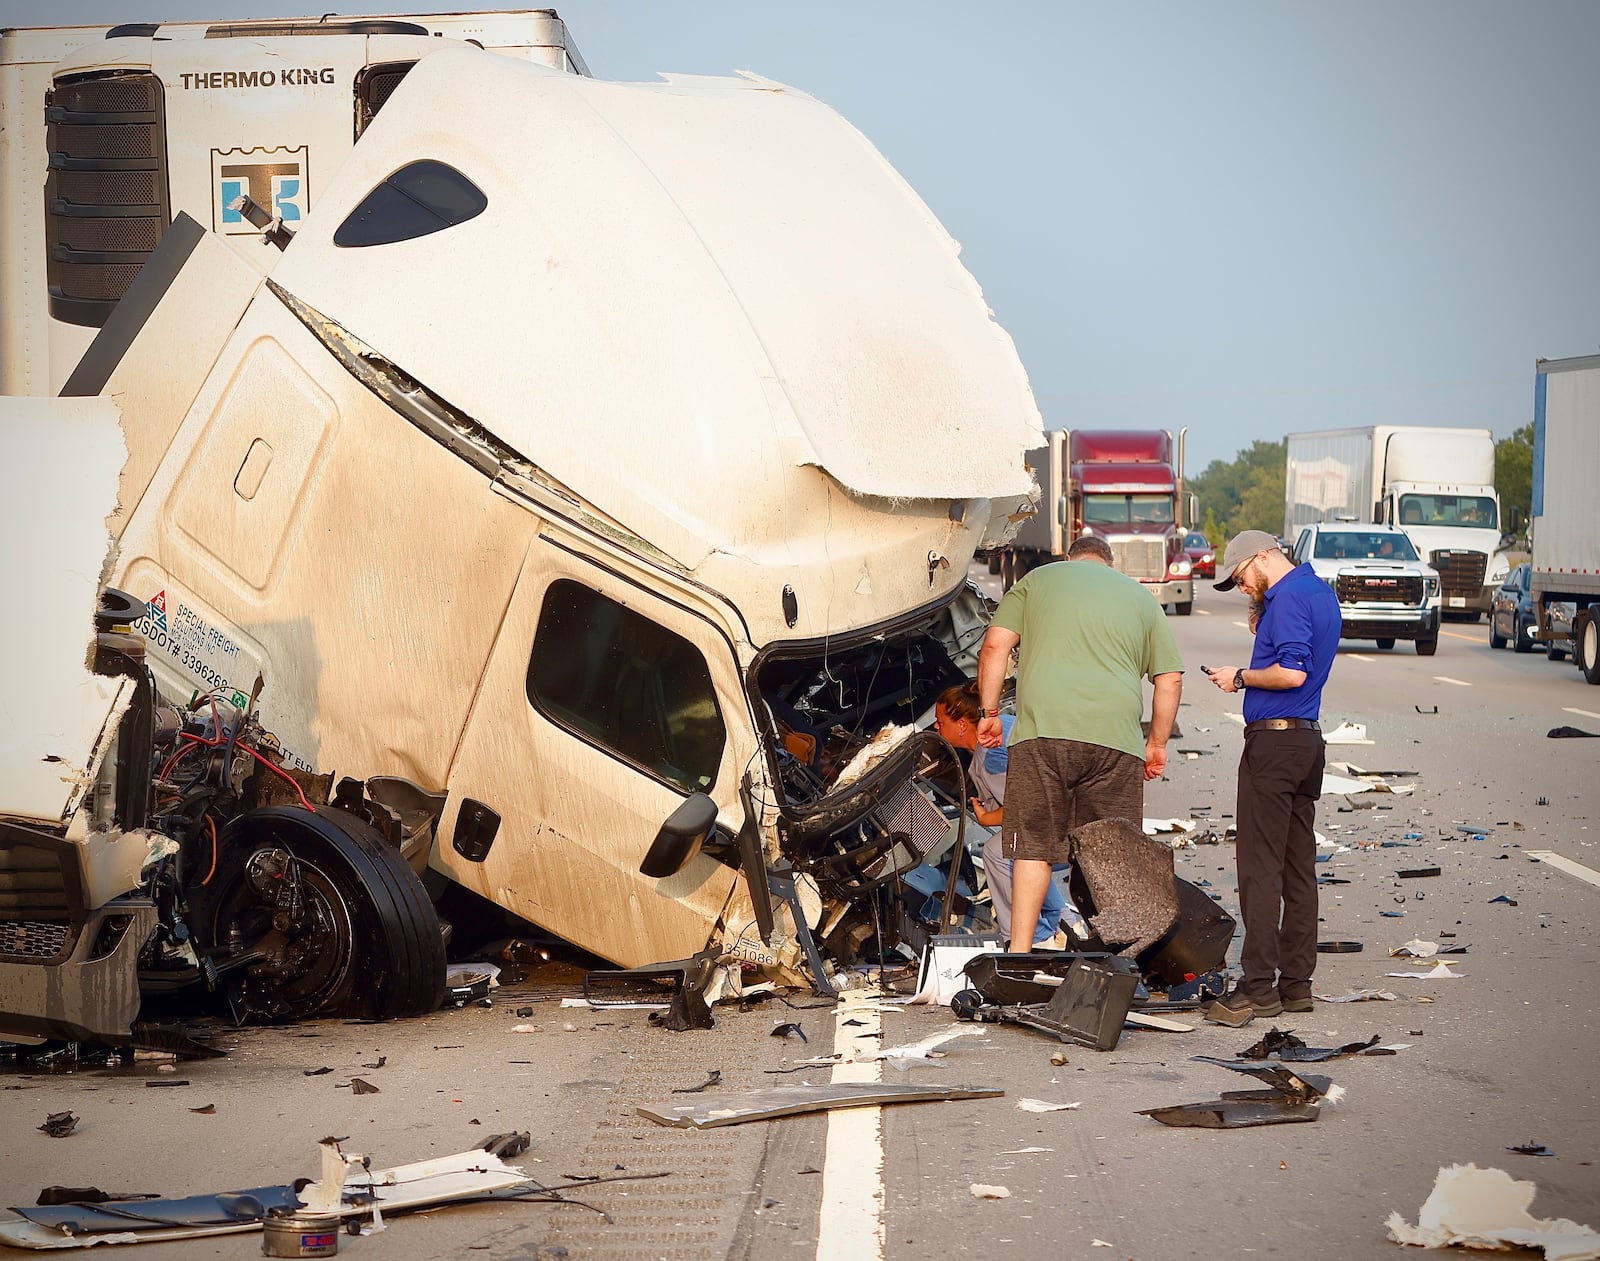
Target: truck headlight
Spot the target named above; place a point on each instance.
(1180, 568)
(1430, 586)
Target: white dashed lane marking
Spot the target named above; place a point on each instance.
(1587, 713)
(1445, 678)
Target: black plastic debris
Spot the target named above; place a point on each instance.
(86, 1195)
(167, 1081)
(680, 981)
(378, 1063)
(1531, 1149)
(1417, 873)
(316, 1072)
(1432, 709)
(1288, 1097)
(1089, 1006)
(713, 1078)
(1282, 1044)
(507, 1146)
(1509, 901)
(1570, 733)
(59, 1124)
(1338, 947)
(786, 1030)
(1392, 914)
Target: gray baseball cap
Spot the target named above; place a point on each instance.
(1241, 547)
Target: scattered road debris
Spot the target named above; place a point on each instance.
(1441, 972)
(780, 1101)
(1040, 1105)
(58, 1124)
(1281, 1044)
(1288, 1097)
(1509, 901)
(1339, 947)
(177, 1081)
(713, 1078)
(205, 1110)
(1417, 873)
(1488, 1208)
(983, 1191)
(1551, 859)
(1347, 733)
(1359, 996)
(785, 1030)
(1531, 1149)
(361, 1086)
(1571, 733)
(1147, 1020)
(925, 1049)
(348, 1189)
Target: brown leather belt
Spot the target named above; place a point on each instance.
(1281, 724)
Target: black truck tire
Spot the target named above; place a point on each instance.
(1428, 646)
(1385, 643)
(1586, 645)
(369, 943)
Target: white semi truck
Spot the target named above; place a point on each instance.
(111, 132)
(1566, 512)
(591, 518)
(1435, 483)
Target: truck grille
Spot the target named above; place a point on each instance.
(1387, 588)
(106, 202)
(1460, 571)
(34, 941)
(1143, 558)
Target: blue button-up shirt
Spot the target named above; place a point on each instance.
(1299, 630)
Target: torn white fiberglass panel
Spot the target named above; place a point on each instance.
(59, 463)
(711, 285)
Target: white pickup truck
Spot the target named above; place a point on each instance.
(1386, 592)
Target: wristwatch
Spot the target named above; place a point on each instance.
(991, 713)
(1238, 680)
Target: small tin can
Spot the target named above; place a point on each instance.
(300, 1235)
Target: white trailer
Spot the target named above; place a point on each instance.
(111, 132)
(1566, 512)
(1435, 483)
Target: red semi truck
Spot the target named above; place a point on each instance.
(1121, 484)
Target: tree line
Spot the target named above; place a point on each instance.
(1246, 493)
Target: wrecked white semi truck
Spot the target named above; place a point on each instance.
(582, 509)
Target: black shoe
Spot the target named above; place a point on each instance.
(1238, 1008)
(1295, 1001)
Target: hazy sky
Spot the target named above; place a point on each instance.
(1247, 218)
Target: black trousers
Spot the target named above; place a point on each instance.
(1280, 779)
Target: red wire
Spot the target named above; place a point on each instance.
(279, 771)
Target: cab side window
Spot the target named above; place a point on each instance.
(627, 685)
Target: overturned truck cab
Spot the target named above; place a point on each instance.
(594, 515)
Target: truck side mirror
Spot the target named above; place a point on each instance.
(1516, 520)
(687, 828)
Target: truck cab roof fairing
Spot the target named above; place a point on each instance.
(715, 279)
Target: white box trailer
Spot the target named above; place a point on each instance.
(1566, 512)
(601, 511)
(1436, 483)
(110, 132)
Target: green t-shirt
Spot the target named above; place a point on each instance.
(1090, 635)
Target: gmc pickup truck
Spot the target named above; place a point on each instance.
(1386, 592)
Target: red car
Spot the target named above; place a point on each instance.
(1200, 554)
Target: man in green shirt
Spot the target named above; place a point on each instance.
(1088, 637)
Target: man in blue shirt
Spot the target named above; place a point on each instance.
(1280, 775)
